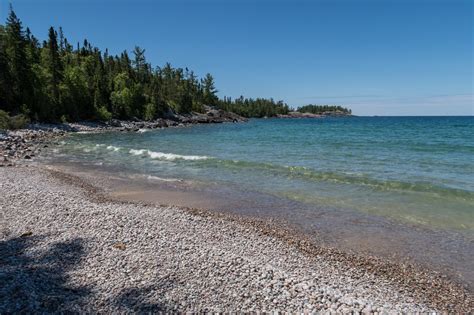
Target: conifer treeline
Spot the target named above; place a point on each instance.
(321, 109)
(55, 80)
(249, 107)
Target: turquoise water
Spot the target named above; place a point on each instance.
(412, 169)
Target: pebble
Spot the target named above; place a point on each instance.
(61, 245)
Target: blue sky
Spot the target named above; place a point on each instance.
(377, 57)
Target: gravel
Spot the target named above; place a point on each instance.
(16, 145)
(64, 249)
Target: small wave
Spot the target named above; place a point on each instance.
(137, 152)
(168, 156)
(143, 130)
(113, 148)
(172, 157)
(309, 174)
(161, 179)
(100, 145)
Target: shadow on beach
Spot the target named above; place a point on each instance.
(35, 279)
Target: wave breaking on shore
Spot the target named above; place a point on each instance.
(167, 156)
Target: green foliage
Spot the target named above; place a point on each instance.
(14, 122)
(150, 111)
(55, 81)
(321, 109)
(249, 107)
(103, 114)
(19, 121)
(209, 90)
(4, 120)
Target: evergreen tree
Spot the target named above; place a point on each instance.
(20, 87)
(55, 81)
(55, 70)
(209, 90)
(140, 63)
(6, 97)
(323, 109)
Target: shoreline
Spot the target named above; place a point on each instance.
(26, 143)
(441, 251)
(422, 287)
(409, 276)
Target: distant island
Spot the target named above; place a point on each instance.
(56, 81)
(317, 111)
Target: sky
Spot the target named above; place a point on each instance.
(392, 57)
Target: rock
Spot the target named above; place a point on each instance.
(115, 123)
(171, 115)
(26, 234)
(120, 246)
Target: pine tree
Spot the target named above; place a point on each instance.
(5, 80)
(209, 90)
(55, 80)
(140, 63)
(19, 69)
(55, 70)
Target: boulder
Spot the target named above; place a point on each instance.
(115, 123)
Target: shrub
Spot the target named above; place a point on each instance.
(103, 114)
(4, 120)
(150, 111)
(18, 121)
(14, 122)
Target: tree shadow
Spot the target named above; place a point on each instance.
(149, 299)
(35, 279)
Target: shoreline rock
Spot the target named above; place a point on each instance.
(26, 143)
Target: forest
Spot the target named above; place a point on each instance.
(322, 109)
(56, 81)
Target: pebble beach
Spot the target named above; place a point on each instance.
(66, 247)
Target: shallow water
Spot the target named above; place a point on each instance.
(398, 187)
(416, 170)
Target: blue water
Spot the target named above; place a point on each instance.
(418, 170)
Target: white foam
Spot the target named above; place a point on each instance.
(143, 130)
(167, 156)
(137, 152)
(172, 157)
(111, 147)
(150, 177)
